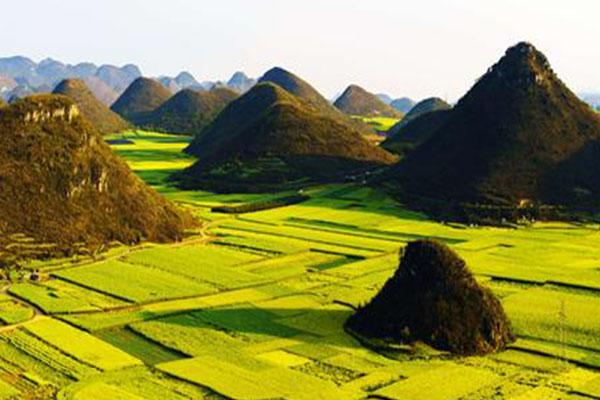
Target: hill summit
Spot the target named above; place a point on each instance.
(519, 135)
(403, 104)
(357, 101)
(189, 111)
(423, 107)
(303, 90)
(61, 184)
(143, 96)
(93, 109)
(240, 82)
(296, 86)
(269, 138)
(404, 138)
(434, 298)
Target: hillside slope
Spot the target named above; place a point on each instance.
(421, 108)
(105, 120)
(403, 104)
(269, 137)
(62, 186)
(518, 134)
(303, 90)
(189, 111)
(357, 101)
(417, 131)
(143, 96)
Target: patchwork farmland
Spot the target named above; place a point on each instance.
(252, 306)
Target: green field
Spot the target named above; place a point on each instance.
(252, 306)
(381, 124)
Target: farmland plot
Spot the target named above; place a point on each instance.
(80, 345)
(132, 282)
(254, 308)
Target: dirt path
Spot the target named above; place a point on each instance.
(37, 317)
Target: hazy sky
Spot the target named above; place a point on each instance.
(415, 48)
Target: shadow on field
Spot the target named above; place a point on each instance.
(152, 155)
(303, 324)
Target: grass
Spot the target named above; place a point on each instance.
(381, 124)
(103, 390)
(205, 264)
(264, 381)
(445, 383)
(12, 312)
(536, 313)
(138, 346)
(133, 282)
(137, 383)
(258, 311)
(80, 345)
(62, 297)
(7, 391)
(49, 355)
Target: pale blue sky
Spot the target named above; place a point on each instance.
(416, 48)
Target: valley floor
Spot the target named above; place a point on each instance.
(252, 306)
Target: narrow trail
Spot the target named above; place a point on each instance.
(36, 317)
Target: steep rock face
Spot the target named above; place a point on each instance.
(357, 101)
(103, 119)
(518, 134)
(142, 97)
(60, 184)
(434, 298)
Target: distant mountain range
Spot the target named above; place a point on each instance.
(21, 76)
(404, 104)
(592, 98)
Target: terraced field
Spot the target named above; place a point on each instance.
(251, 306)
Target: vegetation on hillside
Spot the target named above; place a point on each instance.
(64, 188)
(264, 298)
(296, 86)
(103, 119)
(143, 96)
(404, 104)
(518, 137)
(434, 298)
(303, 90)
(189, 111)
(357, 101)
(270, 137)
(417, 131)
(421, 108)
